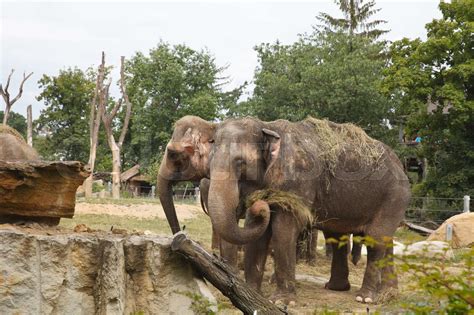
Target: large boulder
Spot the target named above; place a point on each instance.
(462, 227)
(93, 273)
(39, 189)
(13, 147)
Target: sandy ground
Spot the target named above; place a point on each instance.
(142, 211)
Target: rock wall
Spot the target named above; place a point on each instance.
(92, 273)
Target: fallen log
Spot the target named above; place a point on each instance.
(417, 228)
(246, 299)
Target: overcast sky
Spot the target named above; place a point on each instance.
(44, 37)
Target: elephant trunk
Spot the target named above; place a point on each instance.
(223, 204)
(165, 193)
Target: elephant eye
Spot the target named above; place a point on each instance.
(211, 140)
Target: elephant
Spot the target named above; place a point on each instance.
(13, 147)
(351, 182)
(186, 159)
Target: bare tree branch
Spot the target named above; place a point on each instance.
(115, 109)
(8, 82)
(106, 119)
(6, 94)
(127, 102)
(20, 92)
(94, 121)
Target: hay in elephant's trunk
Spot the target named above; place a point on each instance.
(9, 130)
(286, 201)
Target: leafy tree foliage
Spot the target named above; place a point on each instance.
(16, 121)
(63, 125)
(165, 85)
(322, 76)
(439, 71)
(355, 21)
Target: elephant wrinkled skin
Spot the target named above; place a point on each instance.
(347, 192)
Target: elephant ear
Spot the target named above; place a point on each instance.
(271, 147)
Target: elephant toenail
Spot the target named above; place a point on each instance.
(368, 300)
(359, 298)
(292, 303)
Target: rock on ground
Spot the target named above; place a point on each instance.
(93, 273)
(462, 227)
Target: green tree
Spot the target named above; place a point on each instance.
(64, 124)
(16, 121)
(166, 84)
(439, 71)
(322, 76)
(356, 19)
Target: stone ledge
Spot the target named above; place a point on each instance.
(92, 273)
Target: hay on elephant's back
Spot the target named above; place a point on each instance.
(9, 130)
(286, 201)
(336, 139)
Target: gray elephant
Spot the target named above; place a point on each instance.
(352, 183)
(186, 158)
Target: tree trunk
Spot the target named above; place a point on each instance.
(246, 299)
(88, 182)
(116, 168)
(29, 133)
(6, 115)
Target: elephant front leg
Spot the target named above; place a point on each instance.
(229, 253)
(339, 280)
(255, 257)
(285, 231)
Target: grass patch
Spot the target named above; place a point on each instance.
(198, 228)
(407, 236)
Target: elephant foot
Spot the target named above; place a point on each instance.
(280, 298)
(366, 296)
(343, 285)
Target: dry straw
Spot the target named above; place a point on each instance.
(334, 140)
(285, 201)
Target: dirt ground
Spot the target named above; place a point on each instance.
(142, 211)
(312, 297)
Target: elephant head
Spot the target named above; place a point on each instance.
(242, 153)
(186, 158)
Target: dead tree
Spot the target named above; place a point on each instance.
(97, 106)
(108, 119)
(6, 94)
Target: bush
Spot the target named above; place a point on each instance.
(447, 288)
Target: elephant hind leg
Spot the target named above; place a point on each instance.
(379, 273)
(368, 291)
(381, 230)
(389, 283)
(339, 280)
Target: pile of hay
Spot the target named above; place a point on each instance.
(9, 130)
(336, 139)
(286, 201)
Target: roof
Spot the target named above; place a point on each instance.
(131, 172)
